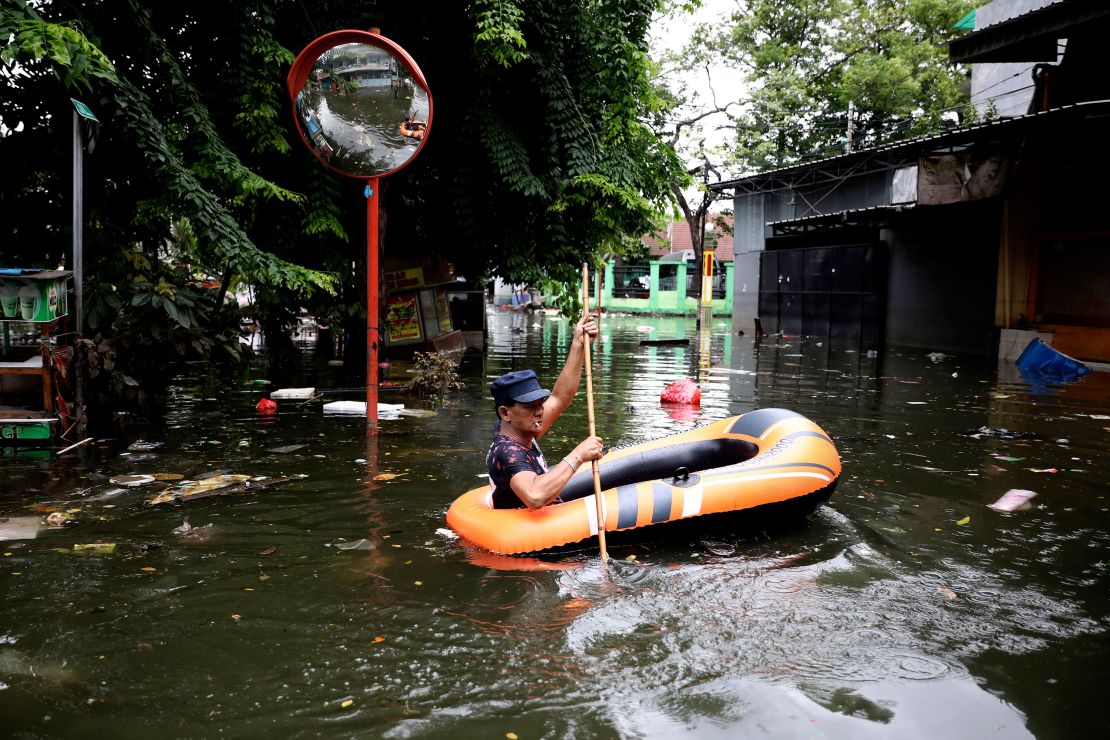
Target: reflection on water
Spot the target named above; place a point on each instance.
(904, 608)
(353, 107)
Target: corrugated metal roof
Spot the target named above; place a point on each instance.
(1024, 32)
(919, 142)
(998, 11)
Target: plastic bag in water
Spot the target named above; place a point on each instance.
(683, 391)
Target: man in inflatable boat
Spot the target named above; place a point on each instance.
(518, 474)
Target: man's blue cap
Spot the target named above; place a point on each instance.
(521, 386)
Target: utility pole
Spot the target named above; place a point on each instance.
(851, 126)
(81, 144)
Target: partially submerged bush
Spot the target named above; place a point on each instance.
(435, 374)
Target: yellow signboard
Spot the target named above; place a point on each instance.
(413, 277)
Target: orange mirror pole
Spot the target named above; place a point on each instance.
(590, 411)
(372, 333)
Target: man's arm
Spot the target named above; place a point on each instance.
(566, 385)
(537, 491)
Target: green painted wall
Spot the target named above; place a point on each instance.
(665, 302)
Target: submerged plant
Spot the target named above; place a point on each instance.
(436, 374)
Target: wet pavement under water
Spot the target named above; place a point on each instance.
(903, 608)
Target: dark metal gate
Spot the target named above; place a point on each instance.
(836, 292)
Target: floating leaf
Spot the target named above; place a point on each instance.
(379, 638)
(347, 703)
(965, 520)
(387, 476)
(946, 592)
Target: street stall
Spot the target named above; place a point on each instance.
(33, 306)
(418, 314)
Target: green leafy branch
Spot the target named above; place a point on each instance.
(499, 38)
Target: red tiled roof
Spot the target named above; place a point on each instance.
(677, 234)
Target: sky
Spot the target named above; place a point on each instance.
(672, 33)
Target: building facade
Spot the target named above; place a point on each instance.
(950, 241)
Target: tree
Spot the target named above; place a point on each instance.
(565, 160)
(806, 64)
(689, 124)
(809, 61)
(168, 162)
(538, 160)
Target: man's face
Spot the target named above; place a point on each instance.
(525, 417)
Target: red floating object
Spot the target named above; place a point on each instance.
(683, 391)
(266, 406)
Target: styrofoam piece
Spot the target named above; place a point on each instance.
(292, 393)
(136, 479)
(358, 408)
(1015, 499)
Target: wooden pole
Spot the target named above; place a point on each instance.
(590, 411)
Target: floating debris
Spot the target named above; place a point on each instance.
(143, 446)
(96, 548)
(358, 408)
(296, 394)
(362, 544)
(999, 433)
(1016, 499)
(286, 449)
(221, 484)
(131, 480)
(417, 413)
(20, 527)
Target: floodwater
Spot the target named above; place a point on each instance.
(904, 608)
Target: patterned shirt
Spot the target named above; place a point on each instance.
(506, 458)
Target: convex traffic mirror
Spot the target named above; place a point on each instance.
(362, 110)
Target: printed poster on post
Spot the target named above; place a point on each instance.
(402, 321)
(443, 310)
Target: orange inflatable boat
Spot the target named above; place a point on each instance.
(767, 456)
(417, 132)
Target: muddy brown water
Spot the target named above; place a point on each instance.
(905, 608)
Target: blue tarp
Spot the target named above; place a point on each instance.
(16, 271)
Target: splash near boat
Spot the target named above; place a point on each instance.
(764, 457)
